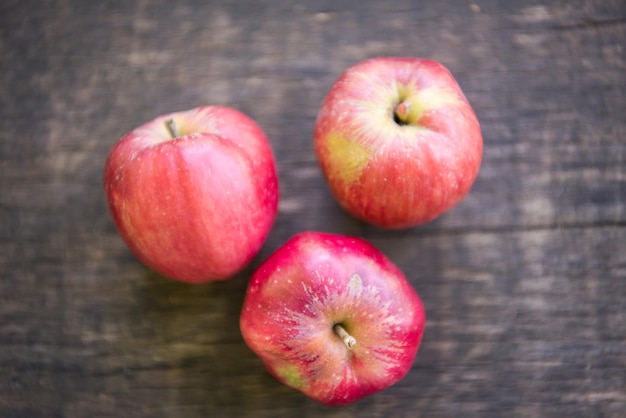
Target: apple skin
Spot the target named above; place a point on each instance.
(197, 207)
(397, 141)
(315, 281)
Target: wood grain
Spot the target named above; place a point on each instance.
(523, 282)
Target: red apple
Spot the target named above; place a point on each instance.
(193, 193)
(331, 316)
(397, 141)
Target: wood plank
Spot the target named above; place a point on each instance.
(524, 281)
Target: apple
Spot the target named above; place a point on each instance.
(333, 317)
(193, 193)
(398, 141)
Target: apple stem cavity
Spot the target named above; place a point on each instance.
(172, 128)
(402, 112)
(347, 339)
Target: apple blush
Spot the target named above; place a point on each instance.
(194, 193)
(397, 141)
(332, 317)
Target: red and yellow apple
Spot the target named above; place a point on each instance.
(333, 317)
(193, 193)
(397, 141)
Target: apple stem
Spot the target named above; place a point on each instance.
(348, 339)
(171, 128)
(402, 111)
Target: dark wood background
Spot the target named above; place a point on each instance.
(524, 282)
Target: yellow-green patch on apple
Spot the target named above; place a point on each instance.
(348, 157)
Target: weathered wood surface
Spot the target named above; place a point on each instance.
(524, 282)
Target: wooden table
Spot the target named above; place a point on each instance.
(524, 282)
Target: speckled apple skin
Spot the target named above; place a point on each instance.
(398, 175)
(314, 281)
(196, 208)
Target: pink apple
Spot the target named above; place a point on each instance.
(193, 193)
(398, 141)
(331, 316)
